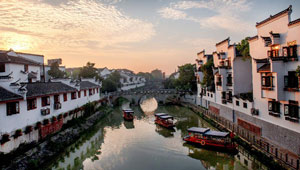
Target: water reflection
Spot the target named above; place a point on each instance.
(148, 106)
(142, 145)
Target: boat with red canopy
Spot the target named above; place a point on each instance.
(207, 137)
(164, 120)
(128, 114)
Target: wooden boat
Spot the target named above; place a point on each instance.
(128, 114)
(207, 137)
(164, 120)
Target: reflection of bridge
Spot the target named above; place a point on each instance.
(137, 96)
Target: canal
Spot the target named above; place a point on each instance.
(142, 145)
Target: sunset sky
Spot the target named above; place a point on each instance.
(140, 35)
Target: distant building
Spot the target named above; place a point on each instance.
(31, 108)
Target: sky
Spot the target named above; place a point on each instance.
(140, 35)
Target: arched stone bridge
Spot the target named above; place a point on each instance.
(137, 96)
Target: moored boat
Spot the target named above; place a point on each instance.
(207, 137)
(128, 114)
(164, 120)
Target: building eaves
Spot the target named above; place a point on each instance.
(288, 10)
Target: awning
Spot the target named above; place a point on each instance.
(264, 68)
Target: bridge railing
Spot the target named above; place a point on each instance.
(153, 91)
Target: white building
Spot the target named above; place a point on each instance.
(275, 58)
(129, 80)
(31, 108)
(104, 72)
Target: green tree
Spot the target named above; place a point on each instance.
(243, 48)
(298, 71)
(109, 85)
(88, 71)
(146, 75)
(157, 74)
(187, 79)
(115, 77)
(208, 75)
(55, 72)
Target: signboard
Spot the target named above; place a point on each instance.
(292, 43)
(249, 126)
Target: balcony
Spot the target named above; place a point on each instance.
(291, 82)
(57, 106)
(288, 54)
(45, 112)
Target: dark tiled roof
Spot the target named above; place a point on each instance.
(227, 39)
(203, 51)
(252, 38)
(4, 58)
(41, 89)
(7, 95)
(264, 68)
(294, 22)
(276, 35)
(87, 85)
(289, 9)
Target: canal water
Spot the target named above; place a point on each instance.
(116, 144)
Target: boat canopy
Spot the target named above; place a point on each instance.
(216, 134)
(208, 132)
(166, 117)
(198, 130)
(160, 114)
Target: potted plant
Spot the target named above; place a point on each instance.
(28, 129)
(60, 117)
(38, 125)
(66, 115)
(46, 121)
(18, 133)
(5, 138)
(54, 119)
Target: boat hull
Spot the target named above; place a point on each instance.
(163, 124)
(211, 143)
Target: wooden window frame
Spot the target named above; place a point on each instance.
(2, 67)
(73, 96)
(45, 101)
(65, 97)
(31, 104)
(15, 105)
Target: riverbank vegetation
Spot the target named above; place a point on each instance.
(185, 81)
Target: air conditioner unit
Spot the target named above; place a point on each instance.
(45, 111)
(254, 111)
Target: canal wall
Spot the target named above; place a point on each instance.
(261, 140)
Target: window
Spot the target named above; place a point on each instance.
(31, 104)
(211, 95)
(291, 109)
(90, 92)
(56, 98)
(219, 81)
(2, 67)
(223, 95)
(293, 51)
(26, 68)
(45, 101)
(245, 105)
(79, 94)
(93, 91)
(229, 80)
(237, 103)
(267, 80)
(291, 81)
(274, 106)
(97, 90)
(73, 95)
(229, 96)
(84, 92)
(65, 97)
(12, 108)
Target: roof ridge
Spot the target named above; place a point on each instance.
(289, 9)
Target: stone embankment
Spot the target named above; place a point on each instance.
(55, 144)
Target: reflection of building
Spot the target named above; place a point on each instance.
(244, 160)
(30, 107)
(271, 111)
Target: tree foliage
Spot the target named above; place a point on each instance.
(112, 83)
(157, 74)
(208, 75)
(243, 48)
(186, 79)
(298, 71)
(88, 71)
(55, 72)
